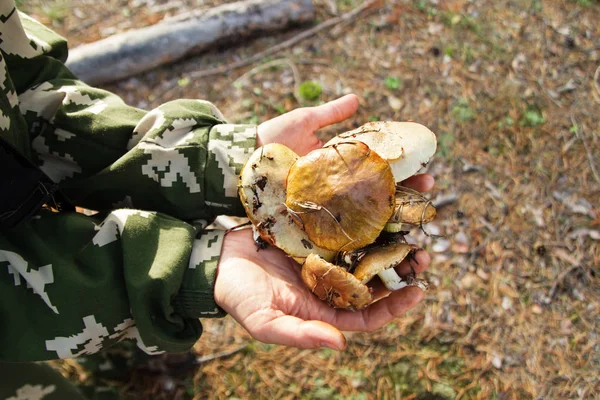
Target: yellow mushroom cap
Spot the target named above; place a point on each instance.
(342, 194)
(334, 285)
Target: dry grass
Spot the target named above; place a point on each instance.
(514, 308)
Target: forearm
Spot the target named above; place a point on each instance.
(181, 158)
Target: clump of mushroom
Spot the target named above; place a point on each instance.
(340, 210)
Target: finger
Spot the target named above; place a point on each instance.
(417, 263)
(333, 112)
(291, 331)
(393, 306)
(420, 183)
(380, 313)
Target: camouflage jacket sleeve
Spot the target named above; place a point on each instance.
(144, 266)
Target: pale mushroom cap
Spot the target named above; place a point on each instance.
(407, 146)
(343, 195)
(334, 285)
(262, 192)
(381, 258)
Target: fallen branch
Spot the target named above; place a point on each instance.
(139, 50)
(172, 84)
(286, 44)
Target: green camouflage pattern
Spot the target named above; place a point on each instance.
(143, 267)
(35, 381)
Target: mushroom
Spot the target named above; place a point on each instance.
(342, 195)
(262, 192)
(381, 261)
(333, 284)
(407, 146)
(411, 208)
(341, 289)
(329, 210)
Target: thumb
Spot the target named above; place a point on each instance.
(334, 111)
(291, 331)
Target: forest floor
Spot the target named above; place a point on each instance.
(513, 310)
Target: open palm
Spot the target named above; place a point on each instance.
(263, 290)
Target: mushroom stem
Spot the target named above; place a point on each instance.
(393, 227)
(391, 279)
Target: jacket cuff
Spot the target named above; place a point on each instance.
(230, 146)
(195, 298)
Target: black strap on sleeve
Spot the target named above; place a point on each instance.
(25, 189)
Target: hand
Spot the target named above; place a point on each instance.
(296, 129)
(263, 291)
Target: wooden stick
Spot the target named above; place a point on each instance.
(286, 44)
(140, 50)
(172, 84)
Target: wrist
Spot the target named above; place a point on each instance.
(195, 298)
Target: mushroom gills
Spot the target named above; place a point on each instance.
(381, 261)
(342, 288)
